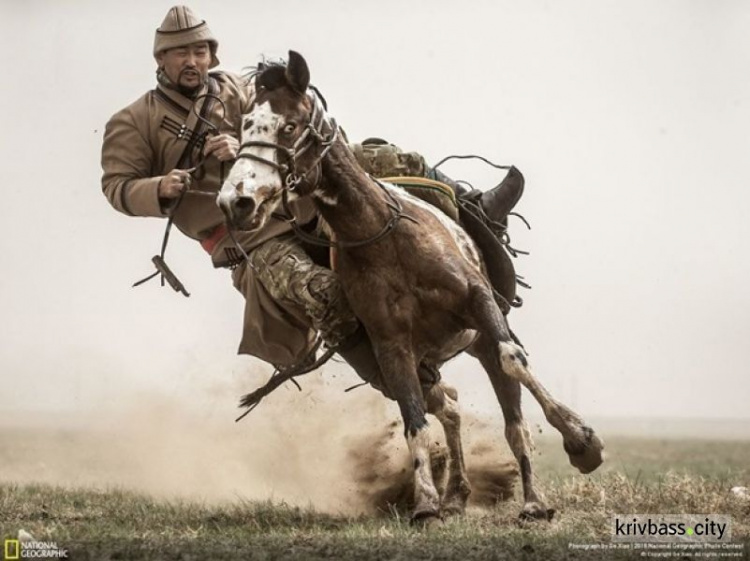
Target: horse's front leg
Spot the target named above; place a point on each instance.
(584, 448)
(402, 381)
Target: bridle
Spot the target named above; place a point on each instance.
(292, 177)
(312, 134)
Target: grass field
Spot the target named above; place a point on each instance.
(640, 476)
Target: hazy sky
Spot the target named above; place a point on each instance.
(630, 120)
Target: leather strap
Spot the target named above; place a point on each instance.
(201, 126)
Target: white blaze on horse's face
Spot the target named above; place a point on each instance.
(253, 188)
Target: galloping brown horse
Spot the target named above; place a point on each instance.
(412, 276)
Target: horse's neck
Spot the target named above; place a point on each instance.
(348, 199)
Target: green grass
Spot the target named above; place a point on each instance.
(640, 476)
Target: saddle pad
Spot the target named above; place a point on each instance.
(433, 192)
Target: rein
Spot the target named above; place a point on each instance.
(394, 205)
(158, 260)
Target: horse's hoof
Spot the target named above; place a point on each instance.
(453, 508)
(426, 519)
(534, 511)
(454, 503)
(588, 455)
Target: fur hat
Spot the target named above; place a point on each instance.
(182, 27)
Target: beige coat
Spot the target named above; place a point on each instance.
(145, 141)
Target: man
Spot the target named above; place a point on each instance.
(149, 145)
(148, 148)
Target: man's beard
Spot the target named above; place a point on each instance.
(191, 91)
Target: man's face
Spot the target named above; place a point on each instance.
(187, 66)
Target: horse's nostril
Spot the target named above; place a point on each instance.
(245, 204)
(241, 188)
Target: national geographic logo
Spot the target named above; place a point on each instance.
(16, 549)
(12, 550)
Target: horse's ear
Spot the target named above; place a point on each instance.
(272, 77)
(297, 72)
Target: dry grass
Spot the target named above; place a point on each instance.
(117, 524)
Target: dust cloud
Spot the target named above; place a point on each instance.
(385, 482)
(338, 452)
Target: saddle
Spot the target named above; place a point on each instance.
(436, 193)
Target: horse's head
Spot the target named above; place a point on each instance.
(284, 138)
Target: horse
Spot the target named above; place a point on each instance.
(412, 276)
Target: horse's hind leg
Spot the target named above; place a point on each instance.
(442, 402)
(508, 392)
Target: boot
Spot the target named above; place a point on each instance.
(500, 200)
(497, 202)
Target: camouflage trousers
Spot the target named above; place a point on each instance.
(291, 277)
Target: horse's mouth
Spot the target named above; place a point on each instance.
(254, 224)
(249, 225)
(259, 218)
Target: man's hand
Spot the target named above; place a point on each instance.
(174, 183)
(223, 146)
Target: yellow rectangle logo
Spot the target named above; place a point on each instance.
(12, 550)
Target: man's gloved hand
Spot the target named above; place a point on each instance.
(174, 183)
(223, 146)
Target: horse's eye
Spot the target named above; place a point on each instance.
(289, 128)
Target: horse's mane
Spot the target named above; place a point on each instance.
(267, 73)
(265, 64)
